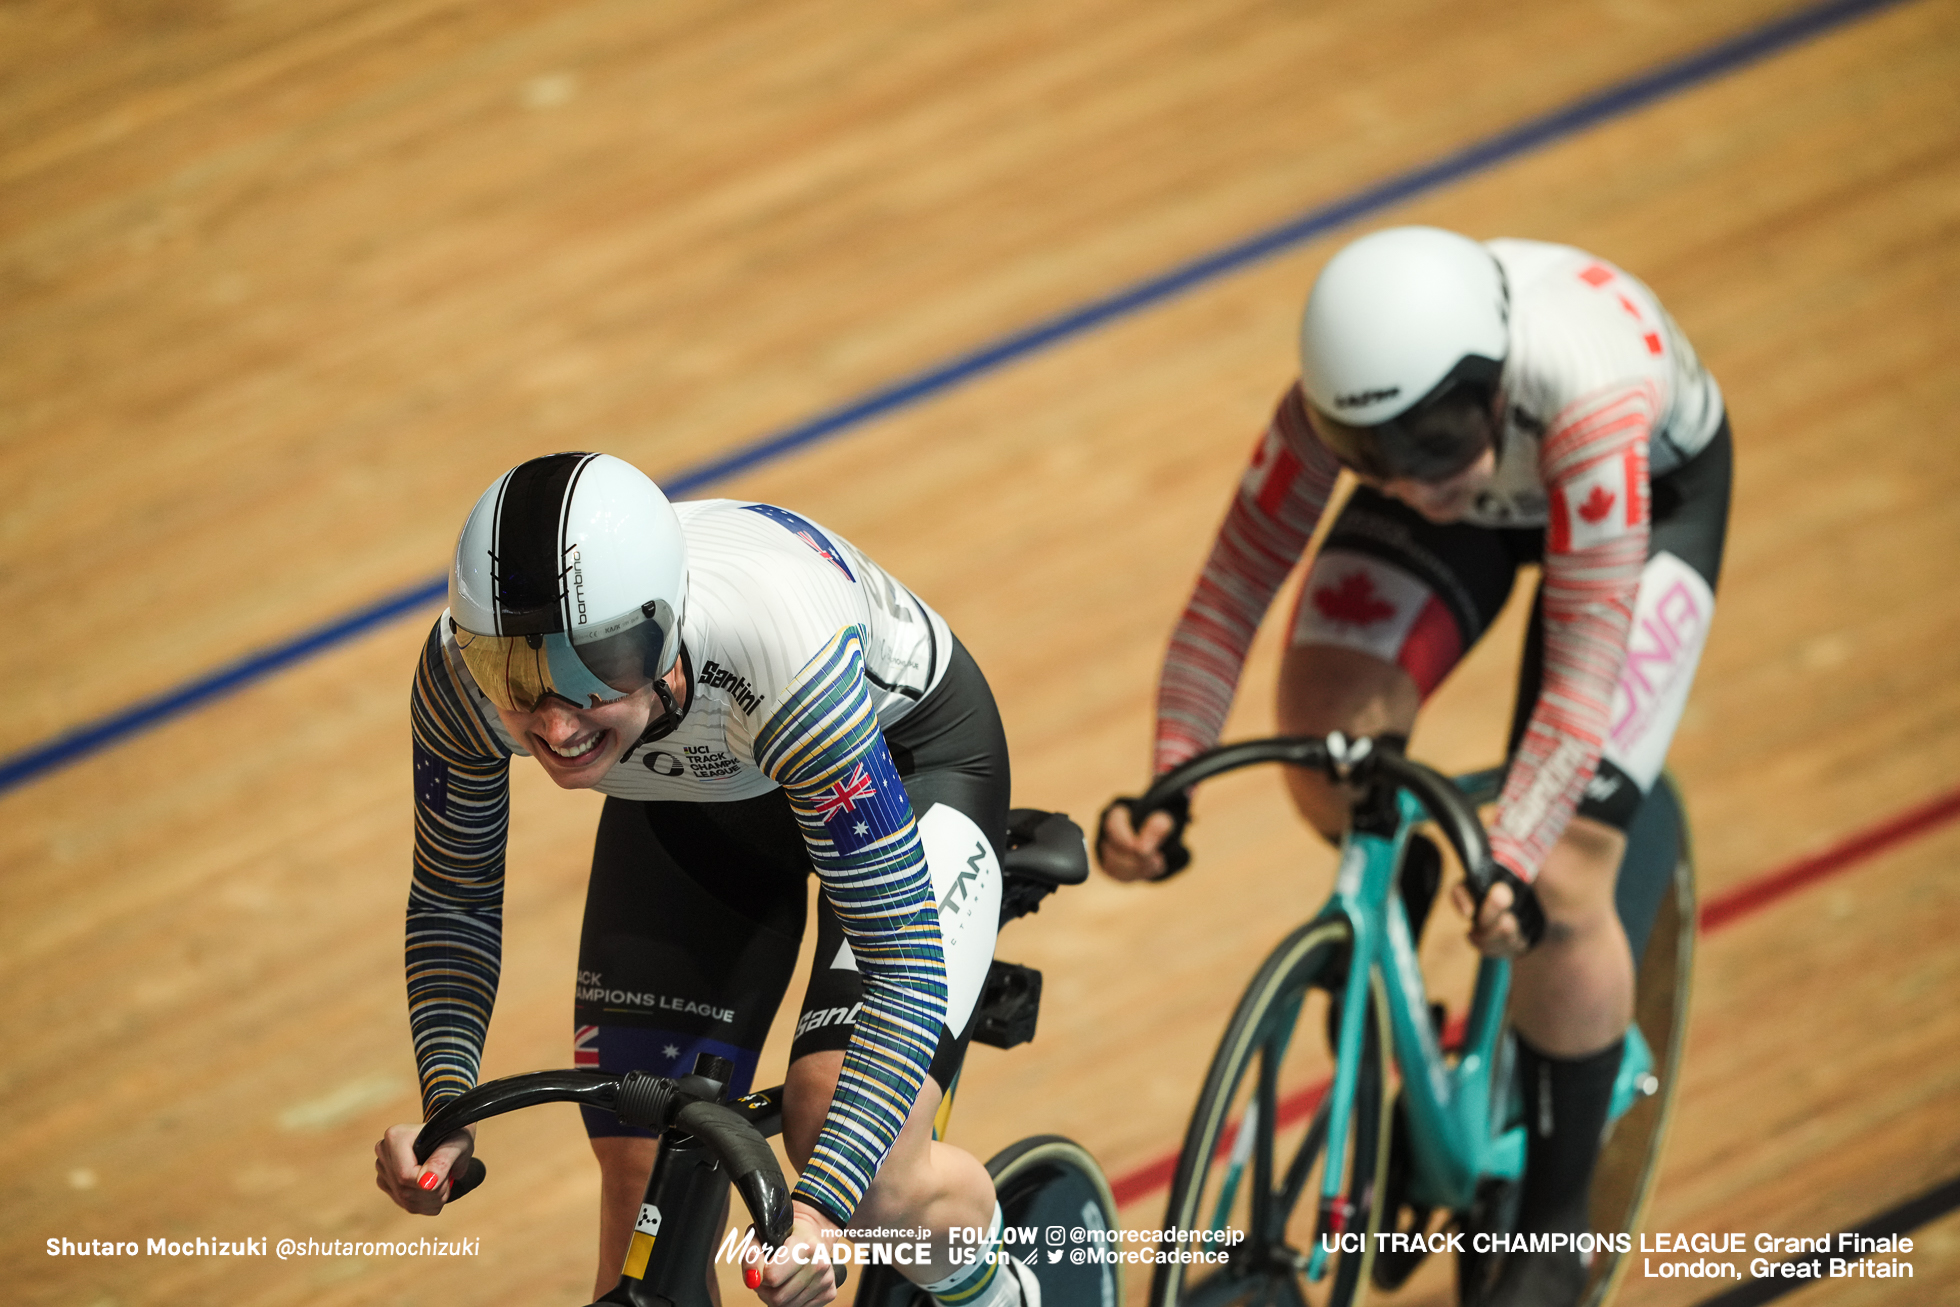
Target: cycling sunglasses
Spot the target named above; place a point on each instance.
(1439, 437)
(516, 672)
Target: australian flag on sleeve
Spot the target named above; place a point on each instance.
(865, 803)
(431, 781)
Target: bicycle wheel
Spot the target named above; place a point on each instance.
(1658, 851)
(1048, 1183)
(1044, 1183)
(1256, 1148)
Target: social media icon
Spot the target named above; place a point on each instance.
(1054, 1255)
(1056, 1234)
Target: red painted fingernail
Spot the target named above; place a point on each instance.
(752, 1276)
(429, 1180)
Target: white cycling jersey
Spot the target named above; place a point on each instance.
(1581, 328)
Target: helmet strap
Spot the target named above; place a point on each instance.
(1500, 422)
(671, 714)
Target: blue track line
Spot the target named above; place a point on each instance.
(1613, 102)
(80, 741)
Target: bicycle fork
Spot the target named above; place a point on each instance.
(1337, 1213)
(687, 1183)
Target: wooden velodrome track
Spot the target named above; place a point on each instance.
(285, 286)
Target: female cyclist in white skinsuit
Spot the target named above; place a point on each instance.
(1501, 403)
(757, 700)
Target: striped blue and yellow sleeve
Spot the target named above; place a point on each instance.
(822, 745)
(456, 897)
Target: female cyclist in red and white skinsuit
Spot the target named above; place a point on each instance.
(1501, 403)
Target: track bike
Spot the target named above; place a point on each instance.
(1339, 1183)
(708, 1143)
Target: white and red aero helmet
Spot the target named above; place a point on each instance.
(570, 579)
(1396, 321)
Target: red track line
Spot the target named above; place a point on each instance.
(1847, 852)
(1147, 1179)
(1718, 912)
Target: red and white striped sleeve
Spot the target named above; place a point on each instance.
(1266, 529)
(1594, 462)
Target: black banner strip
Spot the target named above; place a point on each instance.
(1903, 1219)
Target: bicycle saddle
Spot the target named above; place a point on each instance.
(1045, 847)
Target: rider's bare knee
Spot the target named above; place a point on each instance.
(1326, 688)
(1575, 886)
(1324, 806)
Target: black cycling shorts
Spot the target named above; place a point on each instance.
(1388, 581)
(694, 911)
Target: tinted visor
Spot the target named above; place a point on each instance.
(1437, 438)
(516, 672)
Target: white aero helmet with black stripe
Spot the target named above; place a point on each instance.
(1401, 349)
(570, 580)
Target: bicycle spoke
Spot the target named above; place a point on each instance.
(1262, 1113)
(1242, 1145)
(1260, 1136)
(1303, 1160)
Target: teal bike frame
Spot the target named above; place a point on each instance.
(1464, 1117)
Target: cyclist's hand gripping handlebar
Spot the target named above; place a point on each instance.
(1453, 812)
(1361, 762)
(1176, 855)
(653, 1102)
